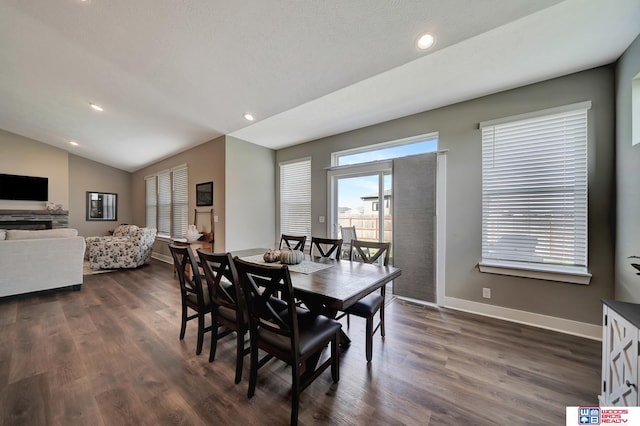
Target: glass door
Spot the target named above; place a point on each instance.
(361, 197)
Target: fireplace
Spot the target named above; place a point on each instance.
(33, 219)
(26, 224)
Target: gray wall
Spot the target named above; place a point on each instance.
(86, 175)
(628, 181)
(250, 195)
(458, 129)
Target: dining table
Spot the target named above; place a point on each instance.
(330, 285)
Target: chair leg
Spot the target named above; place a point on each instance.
(200, 333)
(335, 365)
(239, 355)
(295, 393)
(382, 319)
(369, 341)
(253, 371)
(348, 321)
(214, 338)
(183, 326)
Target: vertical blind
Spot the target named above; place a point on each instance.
(295, 198)
(534, 190)
(167, 201)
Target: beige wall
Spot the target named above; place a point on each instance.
(206, 163)
(250, 195)
(458, 129)
(87, 175)
(23, 156)
(628, 181)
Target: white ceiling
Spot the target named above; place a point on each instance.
(174, 74)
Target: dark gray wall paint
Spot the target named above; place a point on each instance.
(458, 129)
(628, 180)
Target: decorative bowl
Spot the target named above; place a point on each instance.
(192, 237)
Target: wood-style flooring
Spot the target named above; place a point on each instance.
(110, 355)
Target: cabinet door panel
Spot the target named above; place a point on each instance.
(622, 368)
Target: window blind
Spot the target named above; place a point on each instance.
(164, 203)
(167, 201)
(534, 191)
(180, 202)
(151, 201)
(295, 198)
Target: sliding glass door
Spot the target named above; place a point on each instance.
(362, 198)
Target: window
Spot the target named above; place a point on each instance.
(374, 206)
(167, 201)
(534, 195)
(295, 198)
(386, 151)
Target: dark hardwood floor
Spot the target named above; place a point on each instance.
(110, 354)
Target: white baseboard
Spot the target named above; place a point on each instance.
(589, 331)
(162, 257)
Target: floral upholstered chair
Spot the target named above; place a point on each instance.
(124, 250)
(121, 233)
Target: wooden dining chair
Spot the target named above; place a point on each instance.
(194, 295)
(281, 333)
(326, 247)
(369, 252)
(228, 307)
(293, 242)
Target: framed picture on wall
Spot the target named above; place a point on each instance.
(204, 194)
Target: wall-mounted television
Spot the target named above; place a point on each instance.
(24, 188)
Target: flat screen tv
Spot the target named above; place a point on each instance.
(24, 188)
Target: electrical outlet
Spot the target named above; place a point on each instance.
(486, 293)
(321, 219)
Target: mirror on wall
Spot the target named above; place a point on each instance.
(102, 206)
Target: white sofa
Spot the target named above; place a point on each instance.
(40, 260)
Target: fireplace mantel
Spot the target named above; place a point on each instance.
(34, 212)
(59, 219)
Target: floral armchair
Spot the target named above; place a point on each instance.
(129, 247)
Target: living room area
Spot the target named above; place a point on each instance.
(112, 349)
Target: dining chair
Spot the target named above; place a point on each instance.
(369, 252)
(326, 247)
(293, 242)
(283, 333)
(347, 233)
(228, 307)
(194, 295)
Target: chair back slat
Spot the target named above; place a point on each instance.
(265, 288)
(217, 267)
(326, 247)
(370, 252)
(189, 283)
(293, 242)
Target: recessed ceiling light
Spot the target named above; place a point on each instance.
(425, 41)
(74, 143)
(96, 107)
(248, 117)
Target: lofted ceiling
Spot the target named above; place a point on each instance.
(172, 74)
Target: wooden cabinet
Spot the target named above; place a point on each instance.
(620, 356)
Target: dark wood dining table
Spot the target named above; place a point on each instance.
(337, 287)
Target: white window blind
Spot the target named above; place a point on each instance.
(295, 198)
(180, 201)
(534, 192)
(167, 201)
(151, 201)
(164, 203)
